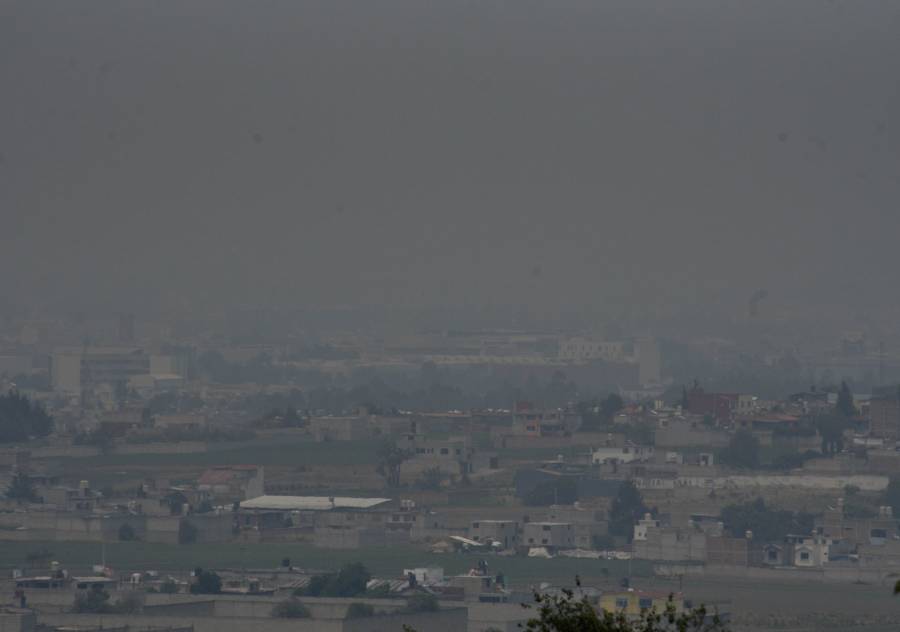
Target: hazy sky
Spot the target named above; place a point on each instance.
(218, 152)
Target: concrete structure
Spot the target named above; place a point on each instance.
(340, 428)
(884, 417)
(505, 532)
(553, 535)
(628, 453)
(229, 483)
(74, 370)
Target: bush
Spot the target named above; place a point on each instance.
(349, 582)
(169, 587)
(126, 533)
(207, 583)
(129, 603)
(187, 533)
(290, 609)
(422, 602)
(93, 601)
(358, 610)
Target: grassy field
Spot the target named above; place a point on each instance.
(263, 452)
(382, 561)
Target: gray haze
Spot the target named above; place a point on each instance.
(210, 153)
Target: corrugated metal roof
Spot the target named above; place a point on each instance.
(311, 503)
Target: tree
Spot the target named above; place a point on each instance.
(206, 583)
(390, 459)
(627, 508)
(560, 490)
(21, 489)
(187, 533)
(126, 533)
(350, 581)
(94, 600)
(290, 609)
(766, 524)
(431, 479)
(422, 602)
(742, 451)
(21, 419)
(169, 587)
(831, 428)
(891, 494)
(845, 405)
(566, 613)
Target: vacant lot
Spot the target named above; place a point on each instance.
(386, 562)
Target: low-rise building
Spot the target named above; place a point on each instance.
(554, 535)
(504, 532)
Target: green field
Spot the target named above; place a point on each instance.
(262, 452)
(382, 561)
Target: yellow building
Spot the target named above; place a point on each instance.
(633, 602)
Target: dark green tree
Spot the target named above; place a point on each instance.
(94, 601)
(21, 489)
(627, 508)
(126, 533)
(742, 451)
(566, 613)
(290, 609)
(830, 427)
(845, 405)
(390, 460)
(206, 583)
(560, 490)
(766, 524)
(21, 419)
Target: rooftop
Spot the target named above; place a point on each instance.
(311, 503)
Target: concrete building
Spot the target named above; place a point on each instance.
(628, 453)
(884, 417)
(504, 532)
(582, 349)
(229, 483)
(554, 535)
(74, 370)
(355, 428)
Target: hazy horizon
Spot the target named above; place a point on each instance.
(203, 154)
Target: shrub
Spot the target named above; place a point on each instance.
(290, 609)
(126, 533)
(169, 587)
(93, 601)
(207, 583)
(422, 602)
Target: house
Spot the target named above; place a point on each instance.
(532, 422)
(633, 602)
(718, 406)
(652, 541)
(554, 535)
(504, 532)
(229, 483)
(809, 550)
(627, 453)
(451, 457)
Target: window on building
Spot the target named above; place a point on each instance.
(645, 603)
(804, 556)
(621, 603)
(445, 451)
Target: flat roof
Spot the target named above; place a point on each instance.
(311, 503)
